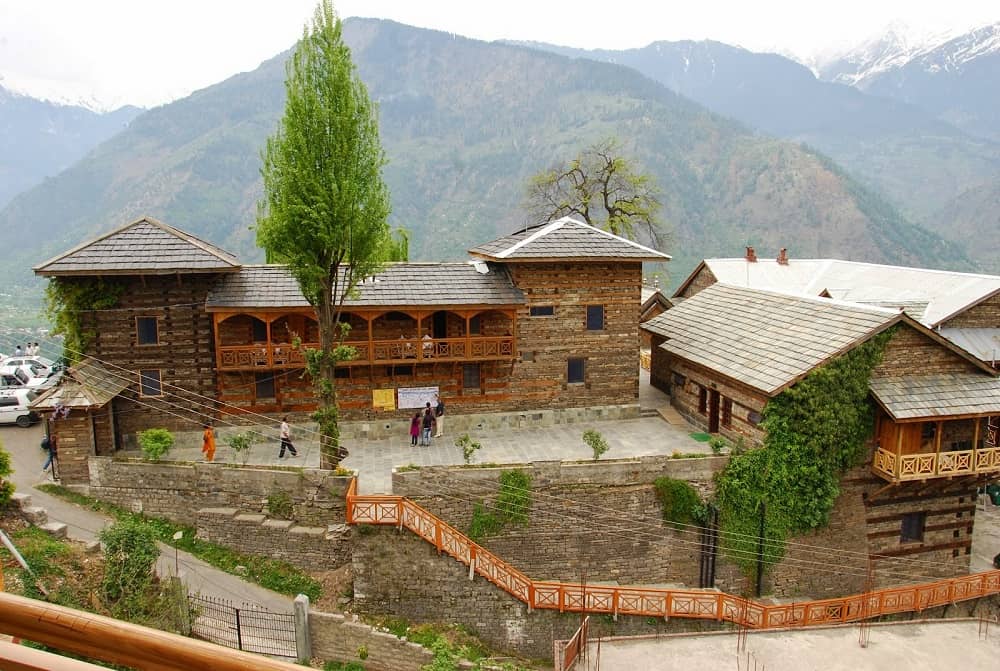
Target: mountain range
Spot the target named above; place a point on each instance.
(465, 123)
(39, 139)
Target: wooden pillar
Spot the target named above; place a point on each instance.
(267, 340)
(938, 426)
(975, 433)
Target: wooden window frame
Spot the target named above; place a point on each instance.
(144, 373)
(583, 370)
(548, 310)
(138, 331)
(702, 400)
(909, 524)
(726, 412)
(603, 318)
(479, 377)
(257, 382)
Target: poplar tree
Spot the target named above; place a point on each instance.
(325, 206)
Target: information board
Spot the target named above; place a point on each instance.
(416, 397)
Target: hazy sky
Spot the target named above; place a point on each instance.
(147, 53)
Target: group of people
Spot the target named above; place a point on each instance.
(31, 349)
(208, 441)
(427, 423)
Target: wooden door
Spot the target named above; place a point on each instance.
(440, 324)
(713, 411)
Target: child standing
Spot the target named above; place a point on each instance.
(414, 429)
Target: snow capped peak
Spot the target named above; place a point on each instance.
(58, 93)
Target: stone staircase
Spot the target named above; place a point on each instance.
(37, 516)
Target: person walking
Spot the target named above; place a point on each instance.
(439, 416)
(428, 423)
(49, 445)
(414, 429)
(286, 440)
(208, 443)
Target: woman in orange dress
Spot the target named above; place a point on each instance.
(208, 443)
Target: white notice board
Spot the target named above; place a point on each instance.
(415, 397)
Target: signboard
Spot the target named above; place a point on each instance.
(384, 399)
(416, 397)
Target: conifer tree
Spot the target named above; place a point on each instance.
(325, 206)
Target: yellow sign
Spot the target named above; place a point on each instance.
(384, 399)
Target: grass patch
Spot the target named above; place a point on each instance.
(701, 437)
(275, 575)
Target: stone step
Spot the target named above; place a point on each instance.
(672, 416)
(35, 515)
(54, 529)
(21, 500)
(649, 412)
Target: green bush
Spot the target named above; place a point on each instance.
(514, 500)
(595, 441)
(155, 443)
(279, 504)
(483, 523)
(6, 486)
(241, 443)
(468, 446)
(717, 444)
(681, 504)
(130, 553)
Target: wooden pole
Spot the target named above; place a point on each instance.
(120, 642)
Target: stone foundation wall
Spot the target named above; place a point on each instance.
(325, 547)
(178, 490)
(338, 638)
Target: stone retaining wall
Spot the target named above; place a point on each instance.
(178, 490)
(306, 547)
(339, 638)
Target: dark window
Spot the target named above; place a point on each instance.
(727, 411)
(528, 356)
(341, 372)
(402, 369)
(679, 380)
(913, 528)
(471, 375)
(9, 401)
(264, 384)
(147, 330)
(475, 325)
(542, 310)
(149, 383)
(396, 316)
(576, 370)
(961, 445)
(259, 331)
(702, 400)
(595, 317)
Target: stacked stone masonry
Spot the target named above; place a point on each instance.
(338, 638)
(326, 547)
(178, 490)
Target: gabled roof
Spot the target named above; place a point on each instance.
(565, 238)
(398, 285)
(764, 339)
(915, 397)
(934, 295)
(143, 247)
(87, 384)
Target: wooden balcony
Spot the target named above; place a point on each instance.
(401, 351)
(925, 466)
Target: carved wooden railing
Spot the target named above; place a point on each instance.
(942, 464)
(403, 351)
(653, 601)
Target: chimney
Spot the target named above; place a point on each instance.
(751, 255)
(783, 257)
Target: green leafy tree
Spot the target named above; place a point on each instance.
(130, 553)
(602, 187)
(325, 206)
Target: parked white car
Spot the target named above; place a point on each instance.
(14, 407)
(28, 375)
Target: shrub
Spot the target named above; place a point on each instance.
(596, 442)
(514, 499)
(483, 523)
(6, 486)
(155, 443)
(130, 553)
(681, 503)
(241, 444)
(468, 446)
(279, 504)
(717, 444)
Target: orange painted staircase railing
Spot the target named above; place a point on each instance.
(401, 512)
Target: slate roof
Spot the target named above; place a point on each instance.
(398, 285)
(764, 339)
(565, 238)
(931, 296)
(982, 342)
(143, 247)
(934, 396)
(88, 384)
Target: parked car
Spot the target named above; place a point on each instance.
(36, 361)
(14, 407)
(31, 376)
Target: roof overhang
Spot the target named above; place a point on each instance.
(913, 398)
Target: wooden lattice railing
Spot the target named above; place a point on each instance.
(652, 601)
(936, 464)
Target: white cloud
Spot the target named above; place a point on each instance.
(147, 53)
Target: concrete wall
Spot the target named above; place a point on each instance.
(306, 547)
(178, 490)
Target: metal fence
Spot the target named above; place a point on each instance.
(246, 627)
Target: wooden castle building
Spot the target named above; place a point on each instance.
(544, 320)
(725, 351)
